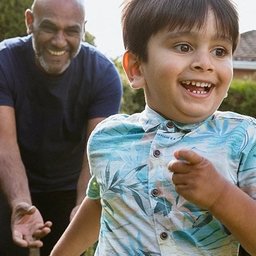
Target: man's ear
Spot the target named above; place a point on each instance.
(84, 30)
(132, 67)
(29, 19)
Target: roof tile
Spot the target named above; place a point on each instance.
(246, 49)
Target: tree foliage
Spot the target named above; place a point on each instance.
(12, 18)
(89, 38)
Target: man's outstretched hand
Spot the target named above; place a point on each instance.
(28, 226)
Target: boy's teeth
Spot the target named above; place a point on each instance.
(198, 92)
(197, 84)
(201, 84)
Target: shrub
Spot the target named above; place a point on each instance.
(241, 98)
(12, 18)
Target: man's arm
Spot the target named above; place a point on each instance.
(27, 223)
(13, 177)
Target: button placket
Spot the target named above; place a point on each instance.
(155, 192)
(156, 153)
(169, 125)
(164, 235)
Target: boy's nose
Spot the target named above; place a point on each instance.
(202, 62)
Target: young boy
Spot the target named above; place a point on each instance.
(180, 177)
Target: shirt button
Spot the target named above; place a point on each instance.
(170, 124)
(155, 192)
(163, 235)
(156, 153)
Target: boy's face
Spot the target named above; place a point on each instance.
(188, 73)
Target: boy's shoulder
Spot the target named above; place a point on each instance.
(228, 120)
(236, 117)
(118, 123)
(118, 119)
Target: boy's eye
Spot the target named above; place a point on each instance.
(183, 48)
(219, 52)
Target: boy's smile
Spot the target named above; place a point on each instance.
(197, 87)
(188, 73)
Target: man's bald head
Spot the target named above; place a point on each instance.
(57, 28)
(79, 3)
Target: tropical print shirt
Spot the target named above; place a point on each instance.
(141, 212)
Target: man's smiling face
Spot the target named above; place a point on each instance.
(57, 31)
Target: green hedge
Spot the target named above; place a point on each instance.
(241, 98)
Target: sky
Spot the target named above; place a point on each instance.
(104, 22)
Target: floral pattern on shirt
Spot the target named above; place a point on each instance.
(142, 214)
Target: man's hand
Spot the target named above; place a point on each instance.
(196, 179)
(74, 211)
(28, 226)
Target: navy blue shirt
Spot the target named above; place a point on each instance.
(52, 111)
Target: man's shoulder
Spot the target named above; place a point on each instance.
(14, 42)
(85, 46)
(15, 52)
(90, 51)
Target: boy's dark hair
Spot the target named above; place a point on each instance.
(143, 18)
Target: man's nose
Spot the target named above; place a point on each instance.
(59, 39)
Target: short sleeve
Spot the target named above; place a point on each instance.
(93, 190)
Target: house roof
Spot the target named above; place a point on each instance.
(246, 49)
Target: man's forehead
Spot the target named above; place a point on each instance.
(59, 11)
(59, 4)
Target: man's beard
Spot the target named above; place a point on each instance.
(51, 70)
(48, 68)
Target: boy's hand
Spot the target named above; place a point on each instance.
(28, 226)
(196, 179)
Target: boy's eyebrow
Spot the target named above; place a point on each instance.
(223, 38)
(182, 33)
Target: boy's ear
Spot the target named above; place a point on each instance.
(132, 67)
(29, 19)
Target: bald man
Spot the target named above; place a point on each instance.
(54, 89)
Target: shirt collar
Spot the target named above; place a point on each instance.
(151, 120)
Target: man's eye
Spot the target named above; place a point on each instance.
(219, 52)
(72, 32)
(183, 48)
